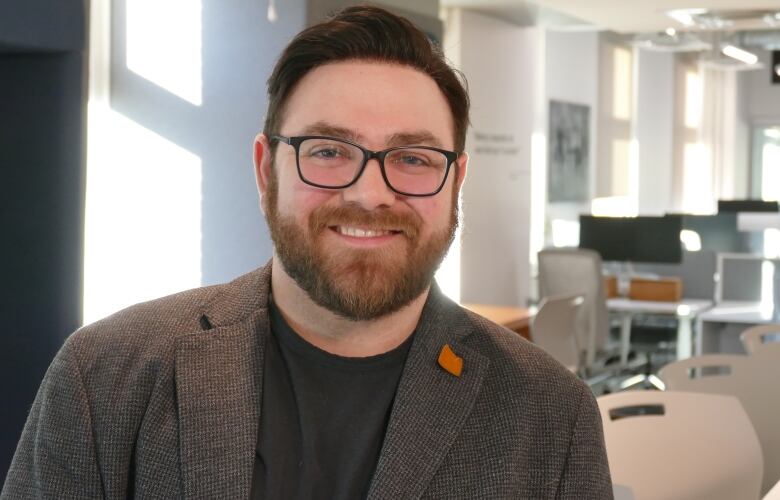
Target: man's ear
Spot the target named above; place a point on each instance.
(262, 160)
(463, 162)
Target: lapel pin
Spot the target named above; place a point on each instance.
(451, 362)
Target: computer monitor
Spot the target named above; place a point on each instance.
(747, 206)
(633, 239)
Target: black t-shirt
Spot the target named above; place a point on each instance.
(323, 418)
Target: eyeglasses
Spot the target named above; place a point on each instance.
(330, 163)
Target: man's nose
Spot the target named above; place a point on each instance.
(370, 191)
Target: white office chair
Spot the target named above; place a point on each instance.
(753, 380)
(554, 329)
(578, 271)
(681, 446)
(761, 337)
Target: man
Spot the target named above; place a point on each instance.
(339, 370)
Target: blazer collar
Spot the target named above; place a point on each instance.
(431, 404)
(218, 386)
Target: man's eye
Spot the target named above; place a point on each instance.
(414, 160)
(327, 153)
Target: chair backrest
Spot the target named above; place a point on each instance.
(554, 328)
(761, 337)
(673, 445)
(754, 380)
(578, 271)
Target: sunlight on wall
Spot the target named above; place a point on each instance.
(693, 99)
(170, 58)
(770, 172)
(143, 215)
(622, 72)
(698, 194)
(614, 206)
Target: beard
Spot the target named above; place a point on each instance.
(358, 284)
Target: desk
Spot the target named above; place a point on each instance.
(517, 319)
(727, 320)
(685, 311)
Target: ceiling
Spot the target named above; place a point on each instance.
(622, 16)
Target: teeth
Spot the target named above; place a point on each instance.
(360, 233)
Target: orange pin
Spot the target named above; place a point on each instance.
(450, 361)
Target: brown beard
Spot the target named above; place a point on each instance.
(357, 284)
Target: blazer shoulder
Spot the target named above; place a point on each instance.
(150, 326)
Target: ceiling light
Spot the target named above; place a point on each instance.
(671, 31)
(740, 54)
(685, 16)
(777, 69)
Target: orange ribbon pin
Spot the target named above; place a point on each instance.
(450, 361)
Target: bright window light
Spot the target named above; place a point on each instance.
(621, 78)
(565, 233)
(691, 240)
(740, 54)
(693, 99)
(143, 215)
(448, 274)
(164, 45)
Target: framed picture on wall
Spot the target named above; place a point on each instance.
(569, 152)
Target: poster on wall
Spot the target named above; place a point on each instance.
(569, 152)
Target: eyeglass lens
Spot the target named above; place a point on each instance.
(332, 163)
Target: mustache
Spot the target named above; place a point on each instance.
(381, 219)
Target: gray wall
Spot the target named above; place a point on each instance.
(240, 47)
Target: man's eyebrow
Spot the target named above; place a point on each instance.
(330, 130)
(416, 138)
(413, 138)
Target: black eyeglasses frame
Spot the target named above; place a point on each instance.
(296, 141)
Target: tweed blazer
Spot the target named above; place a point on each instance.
(162, 401)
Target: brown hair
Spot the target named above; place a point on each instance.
(370, 33)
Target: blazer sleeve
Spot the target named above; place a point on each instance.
(586, 473)
(56, 455)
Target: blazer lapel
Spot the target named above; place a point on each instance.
(430, 407)
(219, 385)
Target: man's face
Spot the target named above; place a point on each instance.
(363, 251)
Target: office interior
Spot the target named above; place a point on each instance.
(126, 131)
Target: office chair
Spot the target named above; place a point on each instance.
(673, 446)
(578, 271)
(753, 380)
(554, 329)
(760, 337)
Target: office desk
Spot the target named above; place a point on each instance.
(719, 328)
(686, 310)
(517, 319)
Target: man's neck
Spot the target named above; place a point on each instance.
(335, 334)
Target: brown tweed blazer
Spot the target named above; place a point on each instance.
(162, 400)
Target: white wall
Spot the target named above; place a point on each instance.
(500, 61)
(762, 98)
(654, 130)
